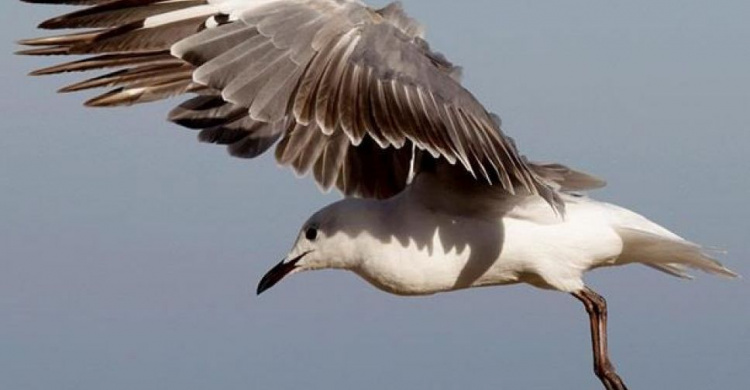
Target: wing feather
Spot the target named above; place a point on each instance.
(349, 93)
(116, 13)
(69, 2)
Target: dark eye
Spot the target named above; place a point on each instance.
(311, 233)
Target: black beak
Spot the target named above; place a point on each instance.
(278, 272)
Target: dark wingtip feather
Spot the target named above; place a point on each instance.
(108, 61)
(110, 99)
(62, 40)
(45, 51)
(45, 71)
(144, 94)
(68, 2)
(73, 88)
(50, 24)
(114, 13)
(29, 42)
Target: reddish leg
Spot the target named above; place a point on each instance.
(596, 306)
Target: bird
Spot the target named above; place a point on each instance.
(436, 197)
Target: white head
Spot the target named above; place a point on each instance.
(326, 241)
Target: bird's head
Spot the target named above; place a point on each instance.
(328, 240)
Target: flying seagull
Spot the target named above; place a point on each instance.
(437, 197)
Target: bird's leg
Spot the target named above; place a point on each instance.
(596, 306)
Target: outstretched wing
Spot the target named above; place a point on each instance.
(348, 90)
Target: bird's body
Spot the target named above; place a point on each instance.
(432, 239)
(438, 197)
(529, 244)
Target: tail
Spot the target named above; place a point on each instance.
(667, 253)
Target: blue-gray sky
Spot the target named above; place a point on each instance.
(129, 252)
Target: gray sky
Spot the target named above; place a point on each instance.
(130, 251)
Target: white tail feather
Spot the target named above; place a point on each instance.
(672, 255)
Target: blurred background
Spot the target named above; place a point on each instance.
(129, 252)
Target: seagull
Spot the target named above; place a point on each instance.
(436, 197)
